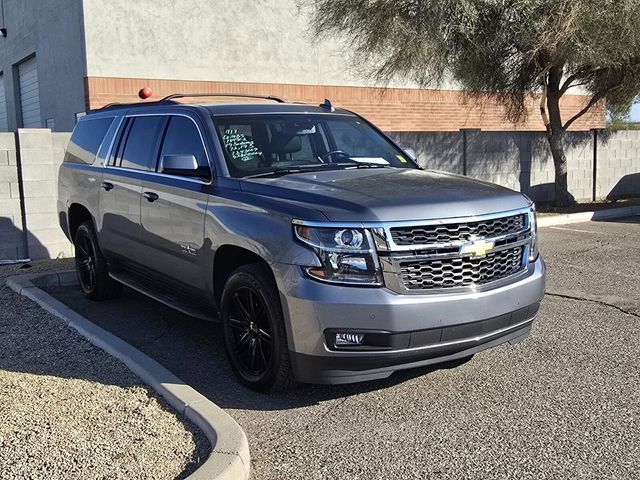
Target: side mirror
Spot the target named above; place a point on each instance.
(183, 165)
(411, 152)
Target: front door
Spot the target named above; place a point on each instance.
(173, 212)
(134, 154)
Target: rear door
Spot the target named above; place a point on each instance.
(134, 155)
(173, 211)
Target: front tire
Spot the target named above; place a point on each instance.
(253, 327)
(91, 266)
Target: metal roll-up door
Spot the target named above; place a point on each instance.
(29, 94)
(4, 125)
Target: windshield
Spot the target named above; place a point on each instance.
(265, 144)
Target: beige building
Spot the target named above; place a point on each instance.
(62, 57)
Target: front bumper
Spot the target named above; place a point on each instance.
(426, 329)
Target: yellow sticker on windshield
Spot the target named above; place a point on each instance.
(401, 158)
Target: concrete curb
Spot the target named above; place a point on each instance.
(229, 458)
(588, 216)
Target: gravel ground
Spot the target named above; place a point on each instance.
(565, 404)
(70, 411)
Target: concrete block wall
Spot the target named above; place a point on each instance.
(522, 160)
(40, 155)
(618, 164)
(438, 150)
(12, 244)
(499, 158)
(579, 151)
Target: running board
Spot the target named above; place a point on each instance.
(166, 298)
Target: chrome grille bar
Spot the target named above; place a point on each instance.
(448, 233)
(424, 257)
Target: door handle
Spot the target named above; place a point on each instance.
(150, 196)
(107, 186)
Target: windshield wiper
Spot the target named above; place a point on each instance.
(370, 165)
(275, 173)
(318, 168)
(287, 171)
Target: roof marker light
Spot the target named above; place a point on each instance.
(144, 93)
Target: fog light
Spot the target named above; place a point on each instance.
(349, 339)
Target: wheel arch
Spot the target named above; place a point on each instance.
(228, 258)
(78, 214)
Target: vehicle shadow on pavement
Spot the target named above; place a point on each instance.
(194, 351)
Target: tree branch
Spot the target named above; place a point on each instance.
(580, 74)
(543, 107)
(567, 83)
(575, 85)
(595, 99)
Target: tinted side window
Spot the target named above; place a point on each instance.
(140, 148)
(182, 138)
(86, 140)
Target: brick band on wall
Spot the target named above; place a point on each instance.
(391, 109)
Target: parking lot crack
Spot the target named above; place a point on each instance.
(592, 299)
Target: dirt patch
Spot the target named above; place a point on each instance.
(69, 410)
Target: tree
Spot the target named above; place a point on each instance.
(506, 49)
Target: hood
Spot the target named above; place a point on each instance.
(370, 195)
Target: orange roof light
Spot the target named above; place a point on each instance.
(144, 93)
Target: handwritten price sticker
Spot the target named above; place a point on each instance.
(239, 146)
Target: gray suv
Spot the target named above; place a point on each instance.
(326, 252)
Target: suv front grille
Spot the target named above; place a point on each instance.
(456, 232)
(460, 271)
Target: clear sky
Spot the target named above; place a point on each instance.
(635, 113)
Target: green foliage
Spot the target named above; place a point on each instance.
(505, 48)
(617, 124)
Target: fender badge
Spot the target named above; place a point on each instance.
(188, 250)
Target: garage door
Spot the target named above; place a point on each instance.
(29, 94)
(3, 107)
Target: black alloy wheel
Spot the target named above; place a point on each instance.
(86, 263)
(253, 327)
(91, 266)
(252, 336)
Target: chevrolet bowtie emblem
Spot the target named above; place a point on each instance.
(477, 248)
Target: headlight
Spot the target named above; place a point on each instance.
(346, 254)
(533, 225)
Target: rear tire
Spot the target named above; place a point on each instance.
(91, 266)
(254, 332)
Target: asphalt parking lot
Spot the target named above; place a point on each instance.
(563, 404)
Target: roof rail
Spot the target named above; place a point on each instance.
(243, 95)
(119, 104)
(170, 99)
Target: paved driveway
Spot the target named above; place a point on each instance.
(564, 404)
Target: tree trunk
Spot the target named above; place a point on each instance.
(555, 136)
(563, 197)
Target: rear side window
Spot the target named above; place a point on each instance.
(86, 140)
(182, 138)
(140, 148)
